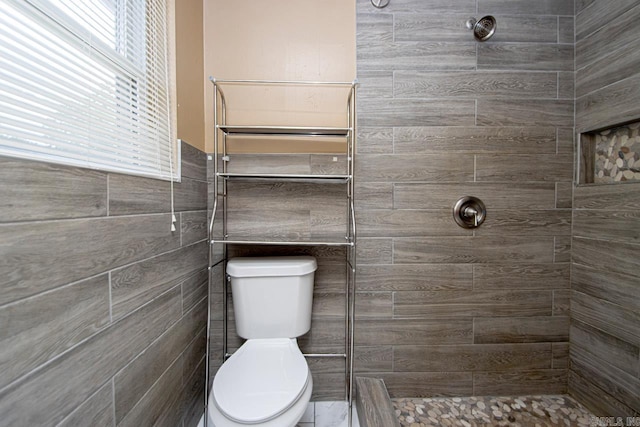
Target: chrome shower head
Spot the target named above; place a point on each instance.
(483, 28)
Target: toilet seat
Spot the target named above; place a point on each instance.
(261, 380)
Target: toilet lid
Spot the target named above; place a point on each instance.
(262, 379)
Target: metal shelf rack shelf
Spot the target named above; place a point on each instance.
(224, 130)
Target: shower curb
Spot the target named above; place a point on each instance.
(373, 403)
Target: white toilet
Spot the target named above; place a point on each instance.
(266, 382)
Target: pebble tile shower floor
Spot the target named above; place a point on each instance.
(522, 411)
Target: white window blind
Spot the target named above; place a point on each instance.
(88, 83)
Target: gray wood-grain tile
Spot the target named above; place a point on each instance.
(618, 288)
(194, 162)
(525, 56)
(37, 329)
(566, 85)
(566, 29)
(95, 411)
(134, 195)
(597, 14)
(194, 289)
(193, 227)
(566, 144)
(560, 352)
(426, 384)
(600, 345)
(521, 276)
(38, 190)
(150, 410)
(484, 249)
(500, 330)
(480, 357)
(522, 112)
(273, 224)
(620, 385)
(406, 167)
(614, 197)
(375, 358)
(284, 196)
(539, 381)
(419, 6)
(75, 249)
(132, 382)
(564, 195)
(325, 331)
(617, 257)
(414, 277)
(415, 331)
(615, 103)
(511, 195)
(385, 56)
(375, 140)
(378, 84)
(476, 139)
(408, 223)
(373, 404)
(474, 84)
(501, 222)
(597, 400)
(373, 304)
(84, 369)
(332, 304)
(619, 225)
(416, 112)
(469, 304)
(524, 167)
(614, 35)
(376, 195)
(328, 387)
(541, 7)
(608, 317)
(608, 69)
(139, 283)
(373, 29)
(449, 27)
(192, 406)
(562, 249)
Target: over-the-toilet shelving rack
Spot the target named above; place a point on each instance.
(223, 132)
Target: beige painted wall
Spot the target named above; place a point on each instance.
(190, 71)
(279, 40)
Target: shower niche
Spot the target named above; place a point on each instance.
(610, 155)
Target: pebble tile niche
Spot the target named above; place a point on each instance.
(617, 154)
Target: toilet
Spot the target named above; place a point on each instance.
(266, 382)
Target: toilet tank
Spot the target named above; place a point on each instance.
(272, 296)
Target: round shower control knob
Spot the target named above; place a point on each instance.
(469, 212)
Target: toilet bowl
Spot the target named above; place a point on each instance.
(266, 382)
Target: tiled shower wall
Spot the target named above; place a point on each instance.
(102, 307)
(605, 275)
(444, 310)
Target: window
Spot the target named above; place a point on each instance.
(88, 83)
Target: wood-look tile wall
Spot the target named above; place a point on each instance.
(443, 310)
(102, 307)
(605, 274)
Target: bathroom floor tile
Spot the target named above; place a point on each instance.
(334, 414)
(309, 415)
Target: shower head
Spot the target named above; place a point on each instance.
(483, 28)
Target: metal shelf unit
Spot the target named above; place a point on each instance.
(223, 131)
